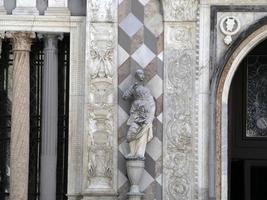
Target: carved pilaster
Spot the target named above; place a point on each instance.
(100, 168)
(25, 7)
(57, 7)
(20, 121)
(101, 147)
(178, 159)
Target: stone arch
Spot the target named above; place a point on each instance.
(220, 86)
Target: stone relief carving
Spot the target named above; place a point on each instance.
(229, 26)
(179, 86)
(101, 109)
(102, 10)
(102, 52)
(180, 10)
(179, 127)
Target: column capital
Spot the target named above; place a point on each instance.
(58, 36)
(21, 41)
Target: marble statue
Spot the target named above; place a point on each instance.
(142, 114)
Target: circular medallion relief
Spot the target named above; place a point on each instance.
(229, 26)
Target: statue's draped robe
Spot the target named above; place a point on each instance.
(141, 117)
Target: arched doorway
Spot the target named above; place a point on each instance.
(221, 85)
(247, 127)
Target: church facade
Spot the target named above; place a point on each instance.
(65, 66)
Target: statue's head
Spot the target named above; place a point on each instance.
(140, 74)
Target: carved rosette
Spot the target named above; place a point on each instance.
(178, 159)
(101, 108)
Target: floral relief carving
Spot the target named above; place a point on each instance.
(180, 10)
(101, 107)
(178, 163)
(101, 10)
(102, 51)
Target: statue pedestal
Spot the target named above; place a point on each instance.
(135, 168)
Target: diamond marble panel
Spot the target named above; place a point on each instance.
(154, 84)
(143, 56)
(123, 117)
(143, 2)
(131, 24)
(153, 24)
(122, 179)
(146, 180)
(154, 148)
(141, 38)
(123, 55)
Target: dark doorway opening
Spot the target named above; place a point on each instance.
(247, 128)
(36, 66)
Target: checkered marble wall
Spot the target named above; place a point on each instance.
(141, 46)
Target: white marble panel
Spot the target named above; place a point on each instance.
(26, 3)
(58, 3)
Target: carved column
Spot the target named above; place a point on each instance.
(25, 7)
(2, 8)
(49, 118)
(180, 166)
(100, 157)
(20, 122)
(57, 7)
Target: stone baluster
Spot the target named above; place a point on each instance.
(57, 7)
(49, 118)
(25, 7)
(2, 8)
(20, 121)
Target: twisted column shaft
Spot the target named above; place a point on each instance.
(20, 121)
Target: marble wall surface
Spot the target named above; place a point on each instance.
(141, 47)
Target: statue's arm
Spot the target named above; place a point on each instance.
(128, 93)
